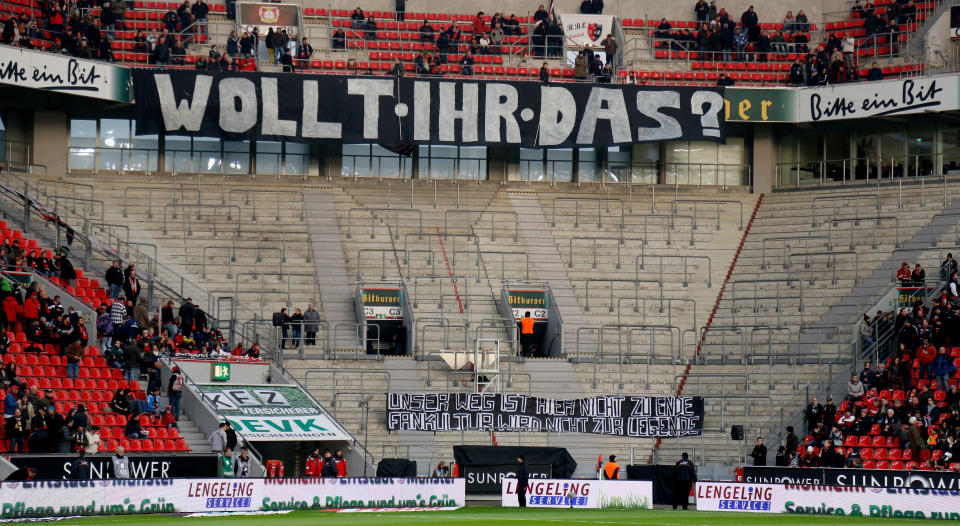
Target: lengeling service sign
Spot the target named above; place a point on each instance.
(901, 503)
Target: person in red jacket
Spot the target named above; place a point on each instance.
(905, 275)
(314, 463)
(341, 464)
(478, 26)
(10, 310)
(925, 357)
(31, 309)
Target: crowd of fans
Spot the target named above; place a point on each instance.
(905, 410)
(720, 38)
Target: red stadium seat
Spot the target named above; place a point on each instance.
(869, 464)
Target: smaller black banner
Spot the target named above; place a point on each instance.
(862, 478)
(60, 467)
(487, 479)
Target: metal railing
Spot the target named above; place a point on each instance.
(858, 170)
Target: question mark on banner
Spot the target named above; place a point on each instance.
(710, 119)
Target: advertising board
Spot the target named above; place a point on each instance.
(271, 412)
(581, 493)
(127, 497)
(828, 500)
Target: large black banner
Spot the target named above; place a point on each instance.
(398, 111)
(633, 416)
(60, 467)
(484, 467)
(868, 478)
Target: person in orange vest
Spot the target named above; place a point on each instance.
(526, 334)
(612, 470)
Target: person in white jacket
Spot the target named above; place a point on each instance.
(121, 464)
(849, 47)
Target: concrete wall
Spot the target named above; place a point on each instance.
(50, 141)
(768, 11)
(764, 159)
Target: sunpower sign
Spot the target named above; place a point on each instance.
(580, 493)
(271, 412)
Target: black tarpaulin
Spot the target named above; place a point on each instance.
(397, 467)
(562, 463)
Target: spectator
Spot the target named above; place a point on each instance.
(759, 453)
(700, 11)
(867, 375)
(233, 44)
(597, 6)
(175, 391)
(580, 66)
(919, 276)
(74, 353)
(167, 419)
(153, 401)
(586, 7)
(218, 438)
(915, 438)
(92, 441)
(248, 42)
(133, 429)
(540, 16)
(849, 48)
(426, 31)
(789, 22)
(801, 22)
(749, 18)
(305, 51)
(187, 315)
(854, 389)
(904, 275)
(17, 429)
(442, 471)
(814, 413)
(287, 62)
(544, 74)
(723, 80)
(466, 64)
(120, 464)
(199, 11)
(80, 468)
(114, 279)
(943, 367)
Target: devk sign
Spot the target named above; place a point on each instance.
(387, 110)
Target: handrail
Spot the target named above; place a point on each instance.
(639, 264)
(247, 192)
(806, 246)
(836, 208)
(636, 289)
(831, 263)
(717, 202)
(493, 219)
(576, 201)
(199, 208)
(373, 219)
(672, 217)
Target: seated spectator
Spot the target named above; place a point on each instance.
(254, 351)
(133, 429)
(426, 32)
(663, 29)
(511, 26)
(723, 80)
(168, 419)
(359, 21)
(466, 63)
(789, 22)
(854, 389)
(801, 22)
(420, 63)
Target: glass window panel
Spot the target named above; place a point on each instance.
(83, 132)
(733, 158)
(207, 154)
(114, 133)
(950, 139)
(587, 167)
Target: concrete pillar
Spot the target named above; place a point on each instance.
(50, 141)
(764, 159)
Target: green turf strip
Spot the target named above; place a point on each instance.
(494, 516)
